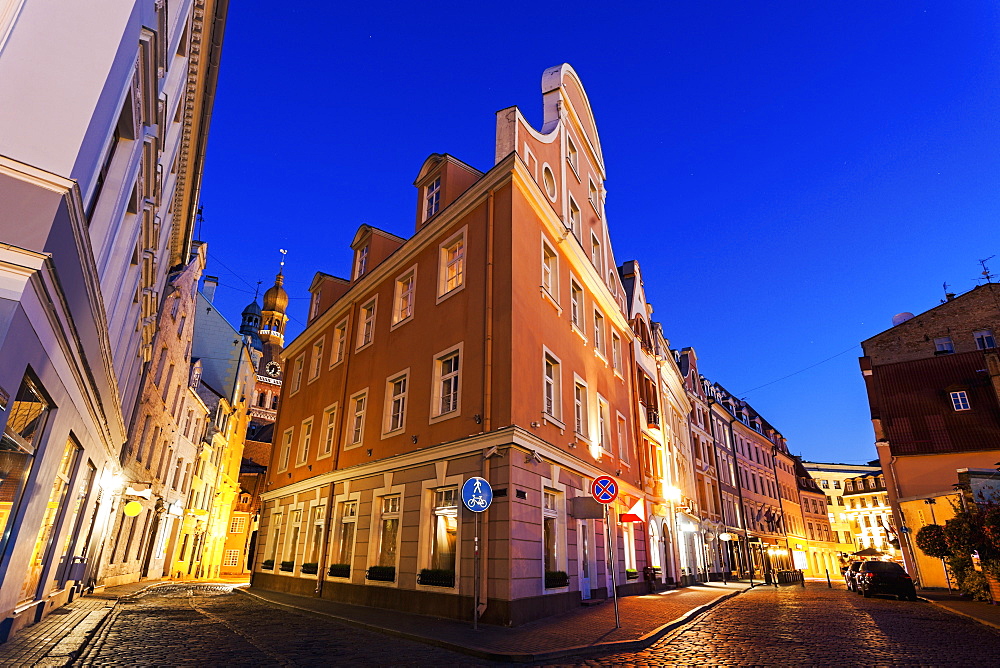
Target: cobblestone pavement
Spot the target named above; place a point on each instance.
(209, 625)
(792, 626)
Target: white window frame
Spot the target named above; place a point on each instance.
(391, 399)
(329, 431)
(550, 271)
(960, 400)
(231, 559)
(285, 457)
(573, 156)
(305, 442)
(599, 332)
(575, 218)
(621, 424)
(403, 312)
(298, 368)
(316, 361)
(346, 518)
(237, 524)
(353, 424)
(439, 378)
(594, 196)
(944, 344)
(552, 388)
(367, 313)
(984, 339)
(581, 409)
(604, 425)
(380, 515)
(616, 353)
(460, 237)
(432, 198)
(596, 253)
(554, 510)
(361, 265)
(577, 300)
(339, 351)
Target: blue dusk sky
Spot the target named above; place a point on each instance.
(788, 175)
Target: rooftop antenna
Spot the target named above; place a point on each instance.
(256, 290)
(200, 220)
(986, 270)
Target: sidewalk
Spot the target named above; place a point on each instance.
(982, 612)
(644, 619)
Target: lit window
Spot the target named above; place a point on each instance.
(452, 265)
(395, 400)
(348, 526)
(316, 361)
(389, 531)
(598, 332)
(329, 430)
(356, 428)
(362, 262)
(403, 304)
(574, 217)
(305, 440)
(238, 524)
(432, 198)
(943, 344)
(297, 373)
(580, 409)
(550, 530)
(339, 342)
(447, 383)
(444, 529)
(314, 546)
(550, 270)
(960, 400)
(576, 302)
(232, 558)
(367, 329)
(984, 339)
(286, 450)
(552, 382)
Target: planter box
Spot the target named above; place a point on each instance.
(436, 578)
(267, 565)
(309, 569)
(556, 579)
(339, 571)
(631, 574)
(381, 573)
(287, 566)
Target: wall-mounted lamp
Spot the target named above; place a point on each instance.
(535, 425)
(369, 451)
(478, 418)
(414, 439)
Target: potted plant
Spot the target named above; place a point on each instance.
(267, 564)
(436, 577)
(339, 571)
(381, 573)
(287, 566)
(556, 579)
(310, 568)
(631, 574)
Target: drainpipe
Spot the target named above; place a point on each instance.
(484, 553)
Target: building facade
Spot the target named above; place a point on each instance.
(831, 477)
(100, 164)
(933, 381)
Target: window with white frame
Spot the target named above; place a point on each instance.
(580, 409)
(274, 548)
(294, 530)
(388, 530)
(553, 382)
(297, 373)
(314, 544)
(572, 155)
(305, 441)
(451, 270)
(595, 252)
(403, 303)
(339, 343)
(316, 361)
(943, 344)
(362, 264)
(286, 449)
(432, 198)
(329, 431)
(575, 217)
(237, 524)
(604, 424)
(576, 303)
(356, 425)
(984, 339)
(348, 530)
(594, 196)
(444, 529)
(622, 439)
(395, 402)
(447, 367)
(960, 400)
(367, 319)
(628, 544)
(550, 529)
(616, 352)
(598, 331)
(550, 270)
(232, 559)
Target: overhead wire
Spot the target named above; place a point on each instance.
(795, 373)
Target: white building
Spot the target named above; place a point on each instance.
(102, 131)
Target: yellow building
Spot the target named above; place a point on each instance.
(868, 511)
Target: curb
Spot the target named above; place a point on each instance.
(640, 643)
(942, 606)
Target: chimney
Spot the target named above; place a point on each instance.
(211, 283)
(949, 295)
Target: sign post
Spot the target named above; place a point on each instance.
(477, 495)
(605, 490)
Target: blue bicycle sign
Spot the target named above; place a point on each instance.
(477, 495)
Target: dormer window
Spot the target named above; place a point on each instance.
(960, 400)
(432, 198)
(362, 265)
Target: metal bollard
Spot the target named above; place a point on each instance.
(828, 583)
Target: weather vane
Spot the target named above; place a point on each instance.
(283, 253)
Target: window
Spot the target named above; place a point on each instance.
(836, 484)
(432, 198)
(960, 400)
(598, 331)
(580, 409)
(576, 303)
(574, 217)
(622, 439)
(403, 303)
(616, 352)
(572, 155)
(984, 339)
(943, 345)
(232, 558)
(446, 384)
(595, 252)
(550, 530)
(549, 182)
(238, 524)
(314, 544)
(444, 529)
(825, 484)
(316, 361)
(550, 270)
(339, 343)
(395, 400)
(593, 196)
(388, 531)
(286, 449)
(297, 373)
(603, 425)
(356, 427)
(552, 383)
(362, 265)
(367, 329)
(329, 431)
(451, 270)
(348, 526)
(305, 439)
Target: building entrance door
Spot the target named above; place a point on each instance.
(584, 533)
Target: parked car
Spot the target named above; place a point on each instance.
(884, 577)
(850, 573)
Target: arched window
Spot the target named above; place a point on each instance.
(274, 403)
(262, 400)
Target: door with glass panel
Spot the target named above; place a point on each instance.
(583, 531)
